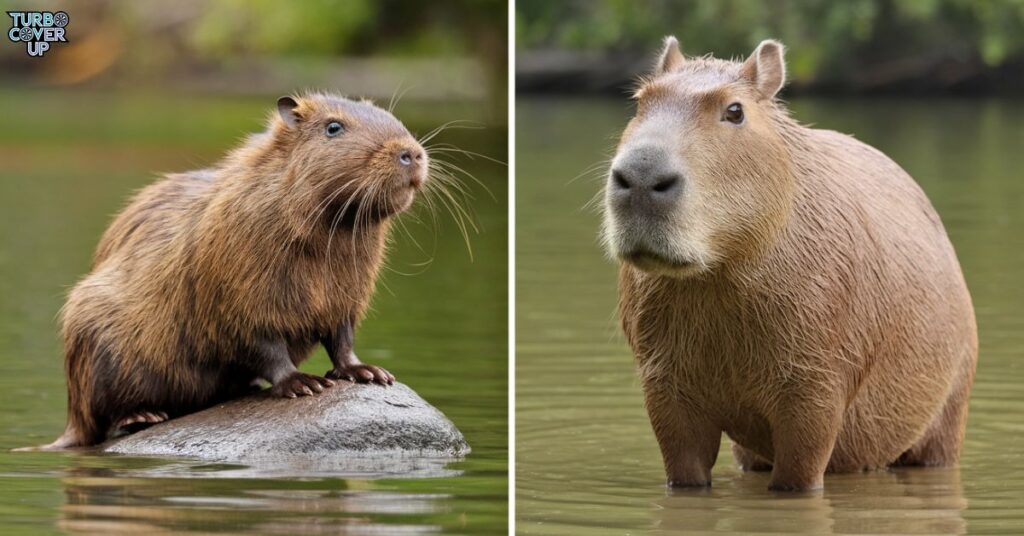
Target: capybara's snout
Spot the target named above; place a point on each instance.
(644, 179)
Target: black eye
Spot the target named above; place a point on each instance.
(334, 128)
(733, 113)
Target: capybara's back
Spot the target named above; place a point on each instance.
(890, 287)
(788, 286)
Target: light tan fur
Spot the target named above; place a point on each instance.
(802, 295)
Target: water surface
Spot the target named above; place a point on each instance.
(69, 161)
(586, 457)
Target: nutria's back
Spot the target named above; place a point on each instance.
(158, 214)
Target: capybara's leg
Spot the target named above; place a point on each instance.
(803, 441)
(941, 444)
(275, 365)
(346, 365)
(689, 441)
(748, 460)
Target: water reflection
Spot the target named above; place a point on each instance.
(904, 501)
(105, 500)
(341, 465)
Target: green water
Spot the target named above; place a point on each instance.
(586, 457)
(68, 161)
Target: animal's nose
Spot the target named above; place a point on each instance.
(412, 162)
(408, 157)
(625, 179)
(646, 174)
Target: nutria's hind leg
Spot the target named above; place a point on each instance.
(941, 444)
(139, 421)
(748, 460)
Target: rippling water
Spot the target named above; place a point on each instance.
(69, 160)
(586, 457)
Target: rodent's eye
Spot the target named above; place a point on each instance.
(733, 113)
(334, 128)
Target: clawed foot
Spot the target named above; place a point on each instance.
(362, 373)
(141, 419)
(300, 384)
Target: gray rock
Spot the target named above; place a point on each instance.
(349, 428)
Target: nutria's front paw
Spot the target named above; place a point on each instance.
(362, 373)
(300, 384)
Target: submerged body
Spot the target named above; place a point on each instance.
(213, 280)
(816, 314)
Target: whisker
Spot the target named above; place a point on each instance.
(451, 124)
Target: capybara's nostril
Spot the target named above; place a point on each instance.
(620, 179)
(664, 184)
(405, 158)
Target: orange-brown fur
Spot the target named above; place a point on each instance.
(281, 241)
(820, 318)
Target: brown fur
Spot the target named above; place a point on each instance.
(802, 296)
(279, 244)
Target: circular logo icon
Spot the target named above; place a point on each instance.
(60, 19)
(25, 34)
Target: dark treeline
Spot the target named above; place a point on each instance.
(848, 46)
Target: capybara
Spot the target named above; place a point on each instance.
(212, 280)
(788, 286)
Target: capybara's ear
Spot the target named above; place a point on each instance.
(766, 68)
(286, 106)
(670, 59)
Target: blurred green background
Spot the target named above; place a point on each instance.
(844, 46)
(145, 87)
(452, 49)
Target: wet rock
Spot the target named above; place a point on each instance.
(347, 428)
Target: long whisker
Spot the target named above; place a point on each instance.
(593, 169)
(458, 123)
(394, 101)
(454, 169)
(447, 147)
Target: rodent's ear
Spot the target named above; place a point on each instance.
(670, 59)
(286, 107)
(766, 68)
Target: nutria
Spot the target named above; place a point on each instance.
(788, 286)
(212, 280)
